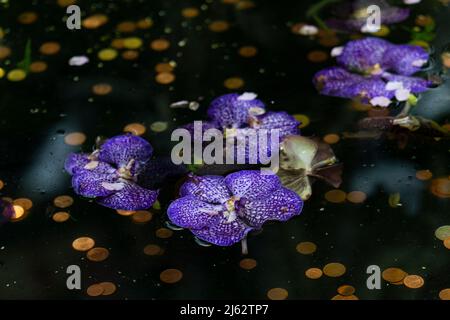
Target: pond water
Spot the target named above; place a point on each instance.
(394, 227)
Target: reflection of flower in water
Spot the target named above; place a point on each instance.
(112, 174)
(6, 211)
(222, 210)
(388, 176)
(353, 16)
(375, 71)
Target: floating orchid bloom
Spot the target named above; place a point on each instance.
(223, 210)
(235, 113)
(111, 174)
(353, 16)
(375, 71)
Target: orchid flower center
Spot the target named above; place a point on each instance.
(375, 70)
(230, 209)
(93, 160)
(125, 172)
(253, 122)
(94, 155)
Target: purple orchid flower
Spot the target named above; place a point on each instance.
(375, 71)
(353, 16)
(111, 174)
(222, 210)
(237, 114)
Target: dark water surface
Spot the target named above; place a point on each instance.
(37, 112)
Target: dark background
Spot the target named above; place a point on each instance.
(37, 112)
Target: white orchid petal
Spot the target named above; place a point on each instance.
(394, 85)
(247, 96)
(337, 51)
(419, 63)
(402, 94)
(380, 101)
(256, 111)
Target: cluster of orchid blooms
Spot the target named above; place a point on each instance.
(222, 210)
(375, 71)
(219, 210)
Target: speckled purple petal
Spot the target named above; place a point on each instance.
(120, 150)
(90, 184)
(190, 212)
(414, 84)
(364, 54)
(211, 189)
(251, 184)
(223, 233)
(404, 59)
(246, 143)
(284, 122)
(96, 167)
(232, 110)
(131, 197)
(76, 161)
(338, 82)
(280, 205)
(371, 87)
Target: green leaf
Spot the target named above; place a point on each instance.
(26, 62)
(156, 205)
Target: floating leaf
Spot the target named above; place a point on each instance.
(302, 159)
(298, 152)
(297, 181)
